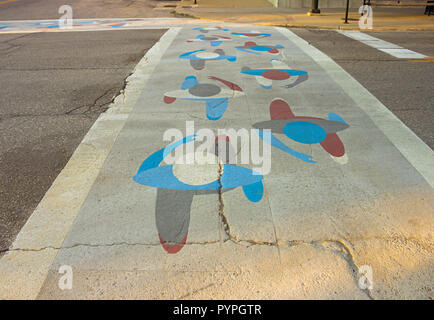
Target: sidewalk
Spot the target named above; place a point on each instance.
(263, 13)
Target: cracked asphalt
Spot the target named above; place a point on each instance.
(54, 86)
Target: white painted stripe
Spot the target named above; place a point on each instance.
(381, 44)
(386, 47)
(24, 268)
(28, 26)
(417, 153)
(357, 35)
(90, 19)
(403, 53)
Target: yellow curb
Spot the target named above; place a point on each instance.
(421, 60)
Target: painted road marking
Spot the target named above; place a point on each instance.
(427, 59)
(406, 141)
(387, 47)
(30, 26)
(25, 266)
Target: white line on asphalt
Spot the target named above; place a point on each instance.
(36, 26)
(24, 268)
(387, 47)
(420, 156)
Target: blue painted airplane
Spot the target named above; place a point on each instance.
(215, 97)
(178, 183)
(199, 57)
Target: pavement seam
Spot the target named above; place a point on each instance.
(340, 246)
(234, 239)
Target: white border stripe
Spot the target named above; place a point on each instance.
(28, 26)
(24, 268)
(387, 47)
(420, 156)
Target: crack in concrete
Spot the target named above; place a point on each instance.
(341, 247)
(343, 250)
(196, 291)
(76, 245)
(234, 239)
(224, 224)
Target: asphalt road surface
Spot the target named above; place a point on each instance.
(57, 85)
(54, 86)
(82, 9)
